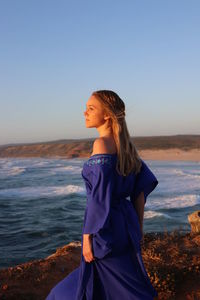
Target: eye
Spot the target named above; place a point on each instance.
(89, 108)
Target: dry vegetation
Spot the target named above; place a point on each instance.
(172, 261)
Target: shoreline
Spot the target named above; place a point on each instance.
(171, 154)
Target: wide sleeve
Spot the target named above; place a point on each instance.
(99, 198)
(145, 182)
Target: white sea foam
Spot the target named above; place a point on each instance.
(69, 189)
(40, 164)
(151, 214)
(11, 171)
(42, 191)
(190, 174)
(17, 170)
(17, 166)
(71, 169)
(174, 202)
(184, 180)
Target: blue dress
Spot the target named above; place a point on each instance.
(118, 271)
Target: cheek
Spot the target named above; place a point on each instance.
(97, 116)
(98, 119)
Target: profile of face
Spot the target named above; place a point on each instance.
(95, 115)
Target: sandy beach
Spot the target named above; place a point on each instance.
(171, 154)
(181, 147)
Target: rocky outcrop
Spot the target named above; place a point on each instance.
(33, 280)
(172, 261)
(194, 220)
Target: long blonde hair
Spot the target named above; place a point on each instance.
(128, 159)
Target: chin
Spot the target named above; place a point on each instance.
(88, 124)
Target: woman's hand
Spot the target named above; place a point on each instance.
(87, 248)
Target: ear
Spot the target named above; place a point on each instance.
(106, 118)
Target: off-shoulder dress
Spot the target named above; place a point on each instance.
(118, 271)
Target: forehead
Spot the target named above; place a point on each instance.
(93, 101)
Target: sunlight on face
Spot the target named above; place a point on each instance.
(94, 113)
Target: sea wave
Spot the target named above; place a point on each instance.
(71, 169)
(42, 191)
(9, 168)
(194, 173)
(152, 214)
(179, 201)
(12, 171)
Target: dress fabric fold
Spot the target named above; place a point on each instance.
(118, 271)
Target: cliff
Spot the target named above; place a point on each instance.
(172, 261)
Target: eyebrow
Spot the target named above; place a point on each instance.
(90, 105)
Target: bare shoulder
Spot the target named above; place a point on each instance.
(102, 145)
(99, 146)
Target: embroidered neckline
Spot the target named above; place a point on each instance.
(102, 154)
(102, 159)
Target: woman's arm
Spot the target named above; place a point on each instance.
(139, 207)
(87, 248)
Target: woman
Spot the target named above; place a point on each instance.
(111, 265)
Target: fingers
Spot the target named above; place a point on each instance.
(89, 260)
(89, 257)
(87, 248)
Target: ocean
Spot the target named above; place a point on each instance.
(42, 203)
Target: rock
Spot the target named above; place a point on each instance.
(196, 240)
(194, 220)
(171, 260)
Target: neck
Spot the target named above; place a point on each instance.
(104, 130)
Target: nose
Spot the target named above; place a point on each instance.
(85, 113)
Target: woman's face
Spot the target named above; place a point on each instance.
(94, 113)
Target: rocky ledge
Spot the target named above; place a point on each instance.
(172, 261)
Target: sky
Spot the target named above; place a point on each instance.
(55, 53)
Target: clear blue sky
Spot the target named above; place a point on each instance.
(53, 54)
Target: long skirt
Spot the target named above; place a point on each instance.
(117, 272)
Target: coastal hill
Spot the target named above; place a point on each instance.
(70, 148)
